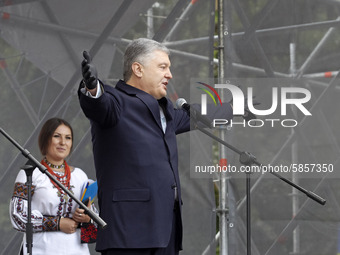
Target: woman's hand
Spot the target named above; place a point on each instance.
(67, 225)
(79, 215)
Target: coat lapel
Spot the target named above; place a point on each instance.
(146, 98)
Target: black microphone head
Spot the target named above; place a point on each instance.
(180, 102)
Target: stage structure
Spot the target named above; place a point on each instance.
(246, 42)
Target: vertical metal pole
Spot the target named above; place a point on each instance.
(220, 41)
(223, 213)
(149, 22)
(295, 179)
(248, 187)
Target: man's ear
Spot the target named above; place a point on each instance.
(137, 69)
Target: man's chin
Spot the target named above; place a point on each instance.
(162, 95)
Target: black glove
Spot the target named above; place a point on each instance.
(248, 115)
(89, 71)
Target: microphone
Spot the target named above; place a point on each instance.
(181, 103)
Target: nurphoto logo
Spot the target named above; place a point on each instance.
(282, 98)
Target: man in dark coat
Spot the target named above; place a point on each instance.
(134, 128)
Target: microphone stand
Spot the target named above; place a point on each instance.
(29, 226)
(248, 159)
(29, 167)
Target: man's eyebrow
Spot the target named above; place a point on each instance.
(164, 63)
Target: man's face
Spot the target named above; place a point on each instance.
(156, 74)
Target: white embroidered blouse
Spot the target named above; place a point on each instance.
(48, 205)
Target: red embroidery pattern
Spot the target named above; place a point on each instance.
(19, 221)
(50, 223)
(88, 233)
(20, 190)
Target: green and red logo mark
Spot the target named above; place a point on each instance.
(209, 93)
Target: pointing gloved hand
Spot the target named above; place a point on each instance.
(248, 115)
(89, 71)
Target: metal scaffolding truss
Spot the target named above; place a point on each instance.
(40, 58)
